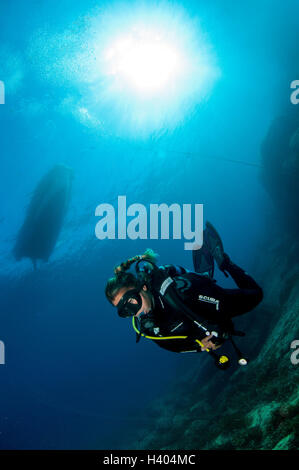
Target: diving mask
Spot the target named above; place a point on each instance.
(129, 304)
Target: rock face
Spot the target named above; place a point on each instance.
(255, 407)
(280, 174)
(46, 211)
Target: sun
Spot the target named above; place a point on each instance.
(144, 60)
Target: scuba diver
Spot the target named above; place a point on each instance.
(185, 311)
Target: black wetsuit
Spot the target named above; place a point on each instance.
(211, 305)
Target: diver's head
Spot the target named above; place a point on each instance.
(128, 292)
(125, 292)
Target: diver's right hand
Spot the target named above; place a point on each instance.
(208, 344)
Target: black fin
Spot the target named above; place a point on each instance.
(203, 261)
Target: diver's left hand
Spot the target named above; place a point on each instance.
(208, 344)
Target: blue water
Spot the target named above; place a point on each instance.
(73, 372)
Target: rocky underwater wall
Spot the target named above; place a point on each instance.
(256, 406)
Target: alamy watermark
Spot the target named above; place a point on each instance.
(2, 92)
(295, 355)
(2, 353)
(145, 223)
(295, 94)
